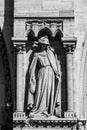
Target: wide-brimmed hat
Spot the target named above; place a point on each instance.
(44, 40)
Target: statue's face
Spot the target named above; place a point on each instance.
(43, 46)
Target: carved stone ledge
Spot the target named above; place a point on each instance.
(52, 123)
(72, 123)
(19, 39)
(61, 122)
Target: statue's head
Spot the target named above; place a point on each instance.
(44, 40)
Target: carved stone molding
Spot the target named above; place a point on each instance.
(70, 123)
(52, 25)
(61, 122)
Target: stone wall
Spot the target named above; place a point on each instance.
(43, 8)
(80, 32)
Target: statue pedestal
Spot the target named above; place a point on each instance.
(59, 123)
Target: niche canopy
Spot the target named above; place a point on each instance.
(51, 27)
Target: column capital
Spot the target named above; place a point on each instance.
(19, 43)
(69, 44)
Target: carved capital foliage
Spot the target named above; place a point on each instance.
(35, 26)
(69, 48)
(69, 44)
(20, 47)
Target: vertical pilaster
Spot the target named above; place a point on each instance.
(19, 86)
(69, 46)
(20, 47)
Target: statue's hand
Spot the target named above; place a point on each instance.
(32, 88)
(57, 77)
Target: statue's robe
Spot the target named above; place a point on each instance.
(42, 83)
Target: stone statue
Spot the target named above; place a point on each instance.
(44, 80)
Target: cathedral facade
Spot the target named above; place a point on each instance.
(22, 25)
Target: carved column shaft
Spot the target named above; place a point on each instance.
(20, 45)
(20, 80)
(69, 46)
(19, 100)
(69, 80)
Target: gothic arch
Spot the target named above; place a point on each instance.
(45, 31)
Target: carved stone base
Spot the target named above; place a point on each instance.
(47, 124)
(19, 116)
(60, 124)
(69, 114)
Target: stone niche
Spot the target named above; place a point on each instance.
(64, 47)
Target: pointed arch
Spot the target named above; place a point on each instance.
(58, 34)
(30, 35)
(45, 31)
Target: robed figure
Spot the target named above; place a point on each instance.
(44, 79)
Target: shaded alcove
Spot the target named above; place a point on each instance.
(45, 31)
(56, 44)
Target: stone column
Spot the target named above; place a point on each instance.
(19, 85)
(69, 47)
(69, 55)
(20, 46)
